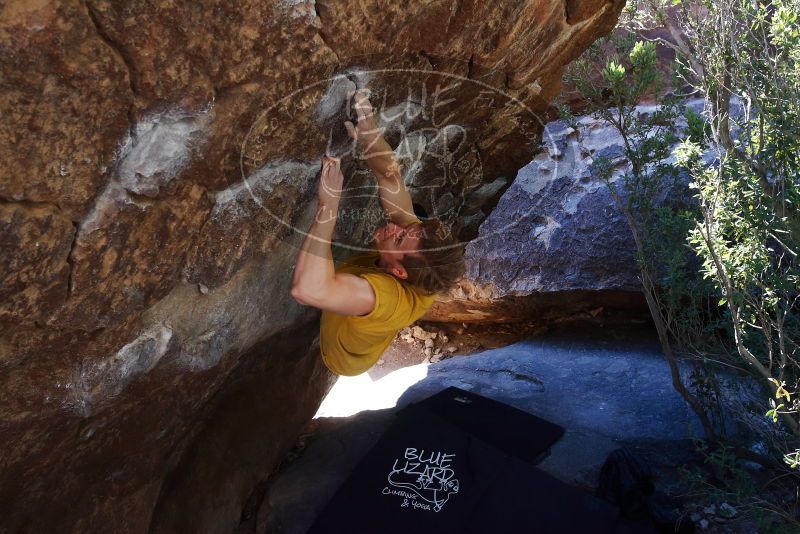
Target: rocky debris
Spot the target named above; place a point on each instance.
(420, 334)
(435, 345)
(157, 160)
(454, 339)
(719, 517)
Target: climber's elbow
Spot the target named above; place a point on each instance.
(308, 295)
(300, 295)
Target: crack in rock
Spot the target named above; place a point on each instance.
(121, 53)
(320, 33)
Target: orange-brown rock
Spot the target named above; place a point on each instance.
(469, 302)
(158, 159)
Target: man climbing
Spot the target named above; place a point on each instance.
(371, 296)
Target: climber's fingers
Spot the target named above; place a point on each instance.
(330, 180)
(362, 105)
(331, 170)
(334, 165)
(330, 164)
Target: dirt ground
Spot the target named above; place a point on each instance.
(448, 340)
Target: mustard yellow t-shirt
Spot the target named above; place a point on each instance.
(351, 344)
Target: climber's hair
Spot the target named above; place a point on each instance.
(440, 261)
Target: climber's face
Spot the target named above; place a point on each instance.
(394, 242)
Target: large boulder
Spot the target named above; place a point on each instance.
(158, 159)
(557, 243)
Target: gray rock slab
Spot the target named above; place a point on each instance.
(557, 227)
(603, 394)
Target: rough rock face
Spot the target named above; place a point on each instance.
(157, 158)
(557, 228)
(556, 242)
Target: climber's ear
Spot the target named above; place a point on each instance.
(399, 272)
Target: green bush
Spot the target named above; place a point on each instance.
(736, 299)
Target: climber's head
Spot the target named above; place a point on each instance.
(425, 255)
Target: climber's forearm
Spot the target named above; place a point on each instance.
(314, 272)
(394, 195)
(395, 199)
(377, 154)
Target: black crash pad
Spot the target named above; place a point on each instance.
(429, 474)
(513, 431)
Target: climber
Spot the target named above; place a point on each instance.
(371, 296)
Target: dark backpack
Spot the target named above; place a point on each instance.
(628, 482)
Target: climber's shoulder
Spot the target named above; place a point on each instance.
(346, 294)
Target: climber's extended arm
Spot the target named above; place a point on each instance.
(395, 199)
(315, 281)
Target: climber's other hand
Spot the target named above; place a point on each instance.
(331, 181)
